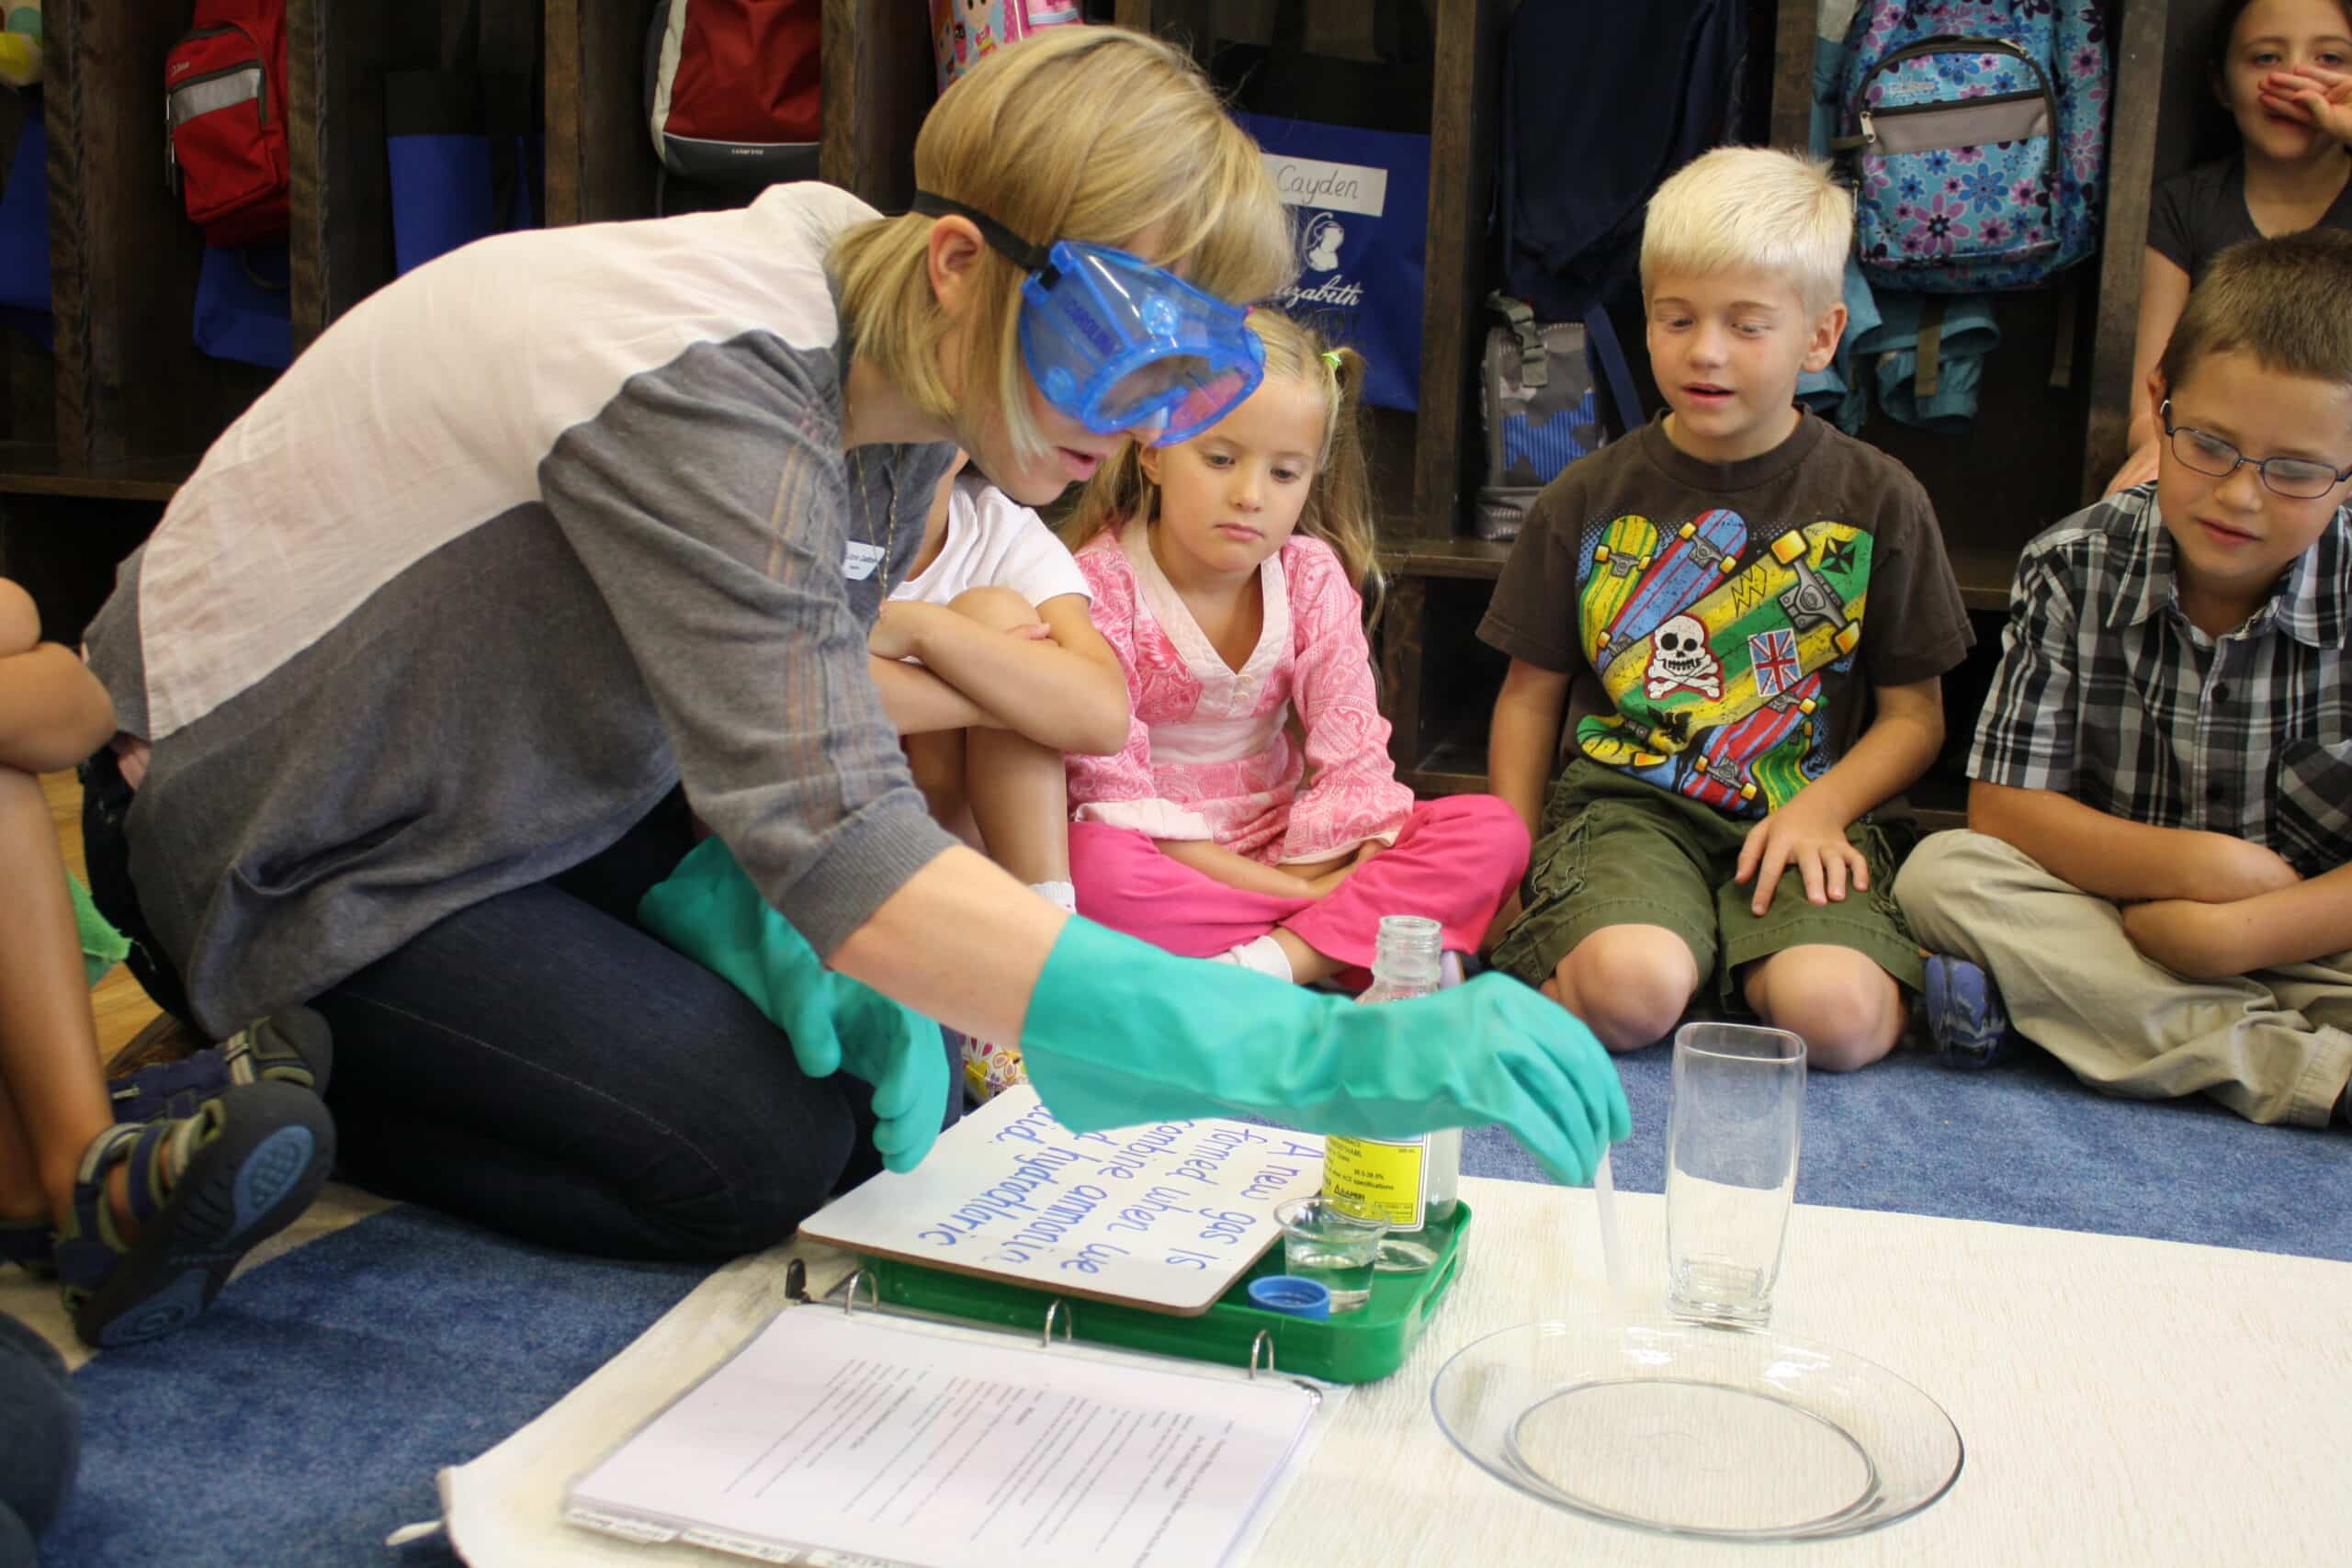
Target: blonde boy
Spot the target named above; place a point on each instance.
(2161, 806)
(1742, 616)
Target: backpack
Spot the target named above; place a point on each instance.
(224, 109)
(1542, 387)
(1980, 128)
(1600, 104)
(463, 138)
(731, 88)
(1358, 202)
(963, 30)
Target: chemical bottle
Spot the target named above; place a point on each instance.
(1411, 1183)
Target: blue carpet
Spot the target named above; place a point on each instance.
(303, 1419)
(2021, 1143)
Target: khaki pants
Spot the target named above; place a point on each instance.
(2273, 1046)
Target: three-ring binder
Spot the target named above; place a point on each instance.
(1060, 1314)
(1055, 1312)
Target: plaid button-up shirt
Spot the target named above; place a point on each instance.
(2106, 693)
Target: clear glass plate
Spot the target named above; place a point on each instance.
(1690, 1430)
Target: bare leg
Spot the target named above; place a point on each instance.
(1630, 984)
(1013, 787)
(937, 761)
(1849, 1011)
(55, 1100)
(1307, 966)
(22, 1196)
(1020, 800)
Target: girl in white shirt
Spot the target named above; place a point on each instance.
(1008, 674)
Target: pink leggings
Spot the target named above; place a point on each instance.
(1455, 862)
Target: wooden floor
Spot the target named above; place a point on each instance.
(121, 1008)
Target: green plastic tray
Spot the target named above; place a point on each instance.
(1358, 1346)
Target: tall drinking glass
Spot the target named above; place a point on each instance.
(1731, 1168)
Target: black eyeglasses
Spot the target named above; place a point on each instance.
(2297, 479)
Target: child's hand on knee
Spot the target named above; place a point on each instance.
(1813, 841)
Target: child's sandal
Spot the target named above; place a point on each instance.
(293, 1046)
(248, 1162)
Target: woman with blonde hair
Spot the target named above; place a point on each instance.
(568, 532)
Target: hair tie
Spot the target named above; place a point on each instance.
(1331, 357)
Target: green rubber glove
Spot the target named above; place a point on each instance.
(710, 912)
(1119, 1033)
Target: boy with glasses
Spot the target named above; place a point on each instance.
(2156, 886)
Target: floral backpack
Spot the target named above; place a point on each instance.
(1981, 130)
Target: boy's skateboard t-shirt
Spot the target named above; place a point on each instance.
(1724, 623)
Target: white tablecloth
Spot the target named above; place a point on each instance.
(2123, 1401)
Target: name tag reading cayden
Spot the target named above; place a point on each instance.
(862, 559)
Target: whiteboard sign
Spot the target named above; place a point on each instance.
(1166, 1215)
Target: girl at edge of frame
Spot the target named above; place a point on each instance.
(2283, 71)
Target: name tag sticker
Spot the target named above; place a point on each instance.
(859, 563)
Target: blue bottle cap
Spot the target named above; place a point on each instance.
(1289, 1293)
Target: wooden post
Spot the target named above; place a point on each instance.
(123, 255)
(2123, 238)
(600, 160)
(1792, 73)
(337, 54)
(1462, 166)
(1404, 638)
(879, 81)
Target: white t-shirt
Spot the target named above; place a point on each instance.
(993, 541)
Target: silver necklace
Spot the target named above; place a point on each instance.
(890, 530)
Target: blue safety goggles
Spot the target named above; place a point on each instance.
(1117, 343)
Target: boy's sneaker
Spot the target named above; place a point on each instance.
(294, 1046)
(1964, 1014)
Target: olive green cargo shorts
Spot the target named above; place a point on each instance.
(1614, 851)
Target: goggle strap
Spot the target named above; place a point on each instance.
(1012, 247)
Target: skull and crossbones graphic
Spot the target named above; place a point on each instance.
(1680, 660)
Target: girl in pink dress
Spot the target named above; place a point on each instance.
(1253, 814)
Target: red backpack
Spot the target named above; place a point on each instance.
(225, 107)
(731, 88)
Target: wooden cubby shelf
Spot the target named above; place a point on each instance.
(34, 468)
(96, 435)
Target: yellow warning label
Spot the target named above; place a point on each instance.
(1381, 1178)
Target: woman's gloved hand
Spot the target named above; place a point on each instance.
(1119, 1032)
(709, 910)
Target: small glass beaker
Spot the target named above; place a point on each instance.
(1333, 1246)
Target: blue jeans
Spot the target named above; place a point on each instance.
(40, 1439)
(538, 1064)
